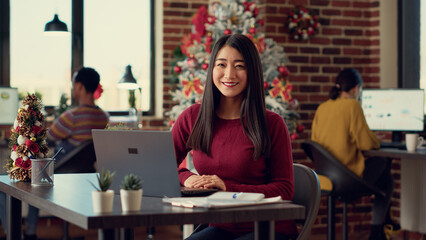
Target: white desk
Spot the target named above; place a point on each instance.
(413, 186)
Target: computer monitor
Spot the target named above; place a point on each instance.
(394, 110)
(9, 104)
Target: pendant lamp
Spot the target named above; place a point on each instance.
(56, 26)
(128, 81)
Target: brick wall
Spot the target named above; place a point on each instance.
(349, 36)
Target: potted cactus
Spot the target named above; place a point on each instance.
(103, 197)
(131, 193)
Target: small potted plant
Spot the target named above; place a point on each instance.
(103, 197)
(131, 193)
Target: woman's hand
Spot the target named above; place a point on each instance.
(205, 181)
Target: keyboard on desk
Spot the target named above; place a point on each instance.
(397, 145)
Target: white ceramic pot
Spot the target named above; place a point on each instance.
(131, 200)
(102, 201)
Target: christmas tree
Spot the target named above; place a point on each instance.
(192, 58)
(28, 139)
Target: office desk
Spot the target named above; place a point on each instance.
(413, 186)
(70, 199)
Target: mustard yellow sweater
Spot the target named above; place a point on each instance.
(340, 127)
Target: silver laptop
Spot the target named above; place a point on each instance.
(148, 154)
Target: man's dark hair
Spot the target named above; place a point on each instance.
(89, 78)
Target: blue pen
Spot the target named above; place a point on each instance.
(236, 195)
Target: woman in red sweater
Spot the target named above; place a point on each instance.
(237, 144)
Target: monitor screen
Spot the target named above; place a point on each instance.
(9, 104)
(393, 109)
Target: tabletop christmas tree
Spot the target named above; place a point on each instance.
(28, 139)
(191, 59)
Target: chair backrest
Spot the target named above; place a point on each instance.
(347, 186)
(307, 192)
(80, 160)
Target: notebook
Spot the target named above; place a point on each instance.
(148, 154)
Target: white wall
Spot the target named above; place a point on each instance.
(388, 44)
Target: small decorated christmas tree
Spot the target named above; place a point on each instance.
(28, 139)
(191, 58)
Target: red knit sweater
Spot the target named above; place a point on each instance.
(232, 160)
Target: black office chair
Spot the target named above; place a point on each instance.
(307, 192)
(347, 186)
(81, 159)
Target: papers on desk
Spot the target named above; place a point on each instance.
(223, 200)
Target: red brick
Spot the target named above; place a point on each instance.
(271, 28)
(371, 51)
(318, 40)
(320, 60)
(320, 79)
(320, 2)
(309, 69)
(294, 2)
(366, 60)
(352, 13)
(172, 13)
(342, 41)
(273, 19)
(341, 22)
(352, 51)
(342, 60)
(374, 33)
(318, 98)
(353, 32)
(331, 12)
(331, 69)
(372, 70)
(271, 9)
(341, 3)
(176, 22)
(290, 49)
(361, 5)
(298, 59)
(298, 78)
(366, 42)
(331, 51)
(309, 50)
(371, 13)
(332, 31)
(178, 5)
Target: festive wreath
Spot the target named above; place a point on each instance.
(302, 23)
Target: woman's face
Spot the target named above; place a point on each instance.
(229, 72)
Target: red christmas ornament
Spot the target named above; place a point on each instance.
(261, 22)
(266, 85)
(284, 71)
(177, 69)
(227, 31)
(252, 30)
(192, 63)
(204, 66)
(294, 136)
(300, 128)
(209, 38)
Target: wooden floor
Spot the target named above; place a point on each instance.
(52, 229)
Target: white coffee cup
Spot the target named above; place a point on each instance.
(413, 141)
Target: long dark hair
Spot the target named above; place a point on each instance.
(346, 80)
(252, 112)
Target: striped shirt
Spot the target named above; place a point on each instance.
(75, 125)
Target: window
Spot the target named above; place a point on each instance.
(117, 34)
(38, 62)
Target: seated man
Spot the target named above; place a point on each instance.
(70, 129)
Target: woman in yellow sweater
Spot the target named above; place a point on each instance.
(339, 126)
